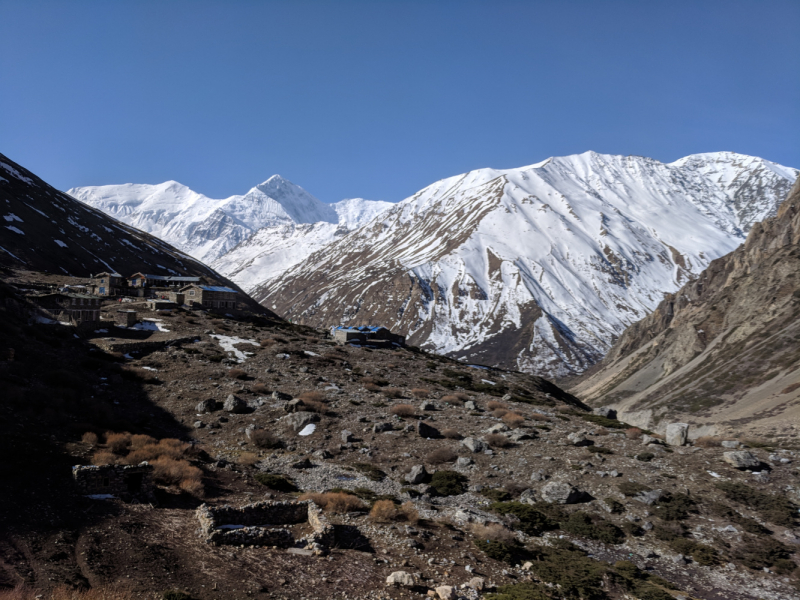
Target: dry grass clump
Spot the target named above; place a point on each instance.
(494, 405)
(247, 459)
(499, 413)
(420, 393)
(312, 397)
(493, 532)
(260, 388)
(392, 392)
(374, 381)
(104, 457)
(315, 406)
(372, 387)
(634, 433)
(601, 431)
(265, 439)
(180, 473)
(266, 343)
(90, 437)
(498, 440)
(453, 399)
(23, 592)
(451, 434)
(791, 388)
(118, 442)
(708, 441)
(335, 502)
(236, 374)
(513, 420)
(386, 511)
(441, 455)
(152, 449)
(538, 417)
(402, 410)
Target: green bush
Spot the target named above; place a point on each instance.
(497, 495)
(700, 553)
(496, 550)
(278, 483)
(577, 576)
(758, 553)
(593, 527)
(645, 456)
(674, 507)
(774, 509)
(749, 525)
(784, 566)
(615, 506)
(631, 488)
(448, 483)
(370, 470)
(531, 520)
(175, 595)
(521, 591)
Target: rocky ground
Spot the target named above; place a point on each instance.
(494, 478)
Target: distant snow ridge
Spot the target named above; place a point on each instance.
(272, 220)
(538, 268)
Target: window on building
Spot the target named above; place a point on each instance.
(191, 292)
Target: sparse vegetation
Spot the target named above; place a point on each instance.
(403, 410)
(448, 483)
(336, 502)
(775, 509)
(279, 483)
(441, 455)
(498, 440)
(265, 439)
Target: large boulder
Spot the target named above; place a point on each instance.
(677, 434)
(418, 474)
(234, 404)
(559, 492)
(528, 497)
(579, 439)
(473, 444)
(300, 419)
(427, 431)
(446, 592)
(206, 406)
(401, 579)
(604, 411)
(741, 459)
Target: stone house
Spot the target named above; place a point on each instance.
(107, 284)
(69, 307)
(376, 336)
(210, 296)
(142, 280)
(123, 481)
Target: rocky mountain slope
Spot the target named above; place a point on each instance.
(278, 222)
(724, 349)
(538, 268)
(45, 230)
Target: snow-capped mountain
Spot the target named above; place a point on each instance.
(281, 213)
(538, 268)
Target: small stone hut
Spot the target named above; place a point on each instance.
(123, 481)
(107, 284)
(68, 307)
(210, 296)
(126, 318)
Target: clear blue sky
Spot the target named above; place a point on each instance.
(379, 99)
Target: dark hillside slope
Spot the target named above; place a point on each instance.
(725, 349)
(45, 230)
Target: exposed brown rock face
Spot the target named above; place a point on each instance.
(725, 349)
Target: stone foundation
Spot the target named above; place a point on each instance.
(263, 524)
(123, 481)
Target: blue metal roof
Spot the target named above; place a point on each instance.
(216, 288)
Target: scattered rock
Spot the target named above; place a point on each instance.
(528, 497)
(206, 406)
(733, 444)
(498, 428)
(427, 405)
(677, 433)
(382, 427)
(559, 492)
(281, 396)
(401, 579)
(477, 583)
(473, 444)
(538, 475)
(604, 411)
(650, 497)
(649, 439)
(300, 419)
(199, 424)
(427, 431)
(520, 434)
(462, 462)
(579, 439)
(234, 404)
(303, 464)
(470, 405)
(418, 474)
(446, 592)
(324, 454)
(293, 405)
(347, 437)
(742, 459)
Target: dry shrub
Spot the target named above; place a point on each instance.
(260, 388)
(265, 439)
(383, 511)
(402, 410)
(451, 434)
(103, 457)
(335, 502)
(452, 399)
(420, 393)
(513, 420)
(634, 433)
(601, 431)
(791, 388)
(498, 440)
(312, 397)
(494, 405)
(169, 471)
(441, 455)
(266, 343)
(67, 593)
(409, 512)
(314, 406)
(90, 437)
(493, 532)
(538, 417)
(236, 373)
(392, 392)
(371, 387)
(708, 441)
(499, 413)
(118, 442)
(247, 459)
(139, 440)
(166, 448)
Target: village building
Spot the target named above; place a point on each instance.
(107, 284)
(68, 307)
(142, 280)
(367, 335)
(210, 296)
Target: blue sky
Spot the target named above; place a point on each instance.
(379, 99)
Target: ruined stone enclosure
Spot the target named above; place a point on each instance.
(283, 524)
(126, 482)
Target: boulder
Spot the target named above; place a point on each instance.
(477, 583)
(520, 434)
(427, 405)
(462, 462)
(303, 464)
(732, 444)
(604, 411)
(498, 428)
(206, 406)
(650, 497)
(579, 439)
(347, 437)
(649, 439)
(559, 492)
(199, 424)
(382, 427)
(470, 405)
(677, 433)
(235, 405)
(742, 459)
(446, 592)
(473, 444)
(401, 579)
(528, 497)
(538, 475)
(293, 405)
(300, 419)
(417, 475)
(427, 431)
(281, 396)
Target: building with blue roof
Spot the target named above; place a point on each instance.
(208, 296)
(367, 335)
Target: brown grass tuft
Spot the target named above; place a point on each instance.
(67, 593)
(392, 392)
(335, 502)
(266, 343)
(402, 410)
(118, 442)
(247, 459)
(708, 441)
(260, 388)
(453, 399)
(451, 434)
(441, 455)
(90, 437)
(493, 532)
(420, 393)
(312, 397)
(385, 511)
(513, 420)
(498, 440)
(499, 413)
(169, 471)
(371, 387)
(265, 439)
(104, 457)
(236, 374)
(538, 417)
(494, 405)
(634, 433)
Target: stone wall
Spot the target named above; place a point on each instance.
(260, 524)
(123, 481)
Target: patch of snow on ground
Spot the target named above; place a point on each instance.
(150, 325)
(11, 217)
(101, 496)
(308, 430)
(16, 173)
(15, 256)
(60, 243)
(15, 230)
(228, 344)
